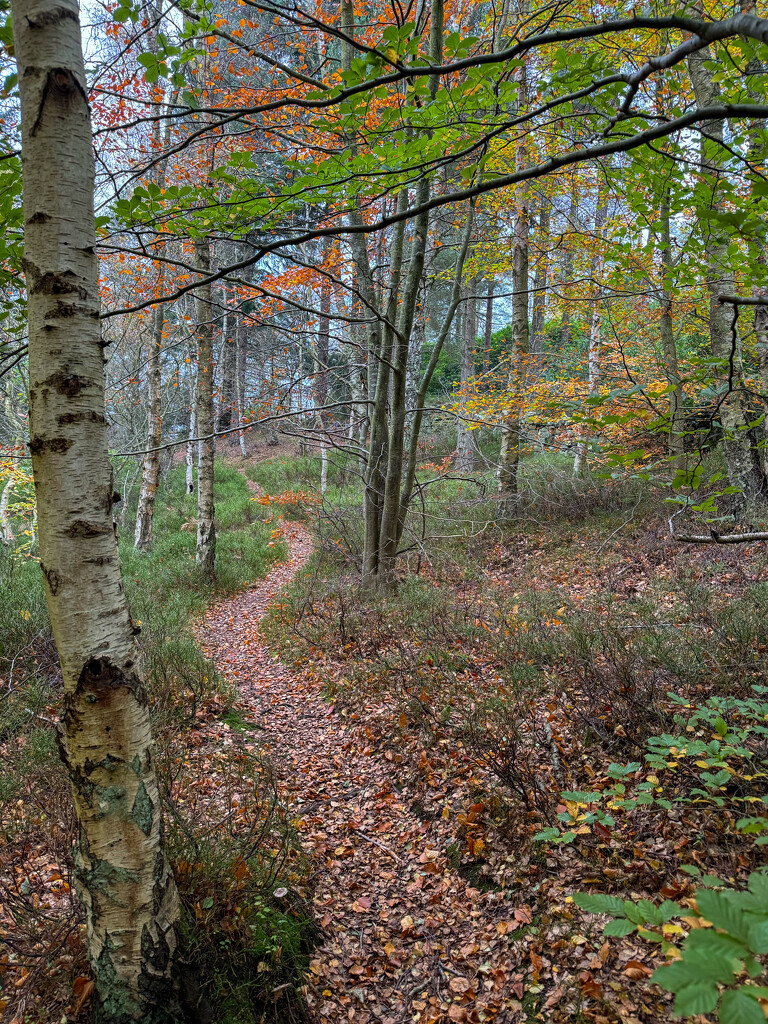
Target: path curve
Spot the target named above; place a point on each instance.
(405, 938)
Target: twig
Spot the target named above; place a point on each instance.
(370, 839)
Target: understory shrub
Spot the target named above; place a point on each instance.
(247, 929)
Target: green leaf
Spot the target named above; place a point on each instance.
(546, 834)
(706, 942)
(650, 911)
(720, 909)
(758, 884)
(207, 903)
(670, 909)
(736, 1007)
(700, 997)
(618, 928)
(633, 912)
(600, 903)
(757, 937)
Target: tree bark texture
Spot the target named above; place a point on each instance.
(509, 456)
(488, 337)
(464, 451)
(540, 281)
(122, 876)
(742, 460)
(205, 552)
(151, 469)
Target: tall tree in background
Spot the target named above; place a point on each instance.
(206, 511)
(743, 462)
(122, 875)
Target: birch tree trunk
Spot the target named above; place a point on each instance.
(122, 875)
(566, 272)
(151, 470)
(205, 552)
(6, 529)
(593, 350)
(242, 367)
(509, 456)
(667, 338)
(540, 282)
(191, 448)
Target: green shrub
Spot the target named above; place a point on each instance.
(715, 968)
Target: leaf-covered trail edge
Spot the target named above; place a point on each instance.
(404, 936)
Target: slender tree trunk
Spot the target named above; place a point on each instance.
(509, 456)
(151, 469)
(566, 273)
(540, 282)
(667, 338)
(205, 552)
(593, 351)
(122, 875)
(743, 462)
(464, 452)
(759, 289)
(242, 367)
(6, 529)
(437, 348)
(228, 400)
(192, 447)
(389, 530)
(488, 338)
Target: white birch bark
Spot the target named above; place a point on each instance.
(205, 552)
(122, 876)
(6, 530)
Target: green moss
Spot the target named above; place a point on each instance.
(143, 810)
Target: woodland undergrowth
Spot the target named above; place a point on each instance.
(524, 684)
(237, 946)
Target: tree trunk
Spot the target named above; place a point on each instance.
(566, 272)
(228, 393)
(242, 367)
(191, 448)
(205, 552)
(464, 452)
(421, 394)
(744, 469)
(540, 282)
(151, 471)
(667, 338)
(122, 875)
(488, 338)
(6, 529)
(759, 289)
(389, 531)
(593, 351)
(509, 456)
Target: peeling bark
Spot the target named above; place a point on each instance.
(122, 875)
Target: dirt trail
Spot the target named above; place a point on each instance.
(405, 938)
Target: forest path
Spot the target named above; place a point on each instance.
(405, 937)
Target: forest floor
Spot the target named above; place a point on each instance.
(405, 936)
(434, 902)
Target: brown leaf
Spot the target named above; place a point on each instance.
(458, 985)
(635, 970)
